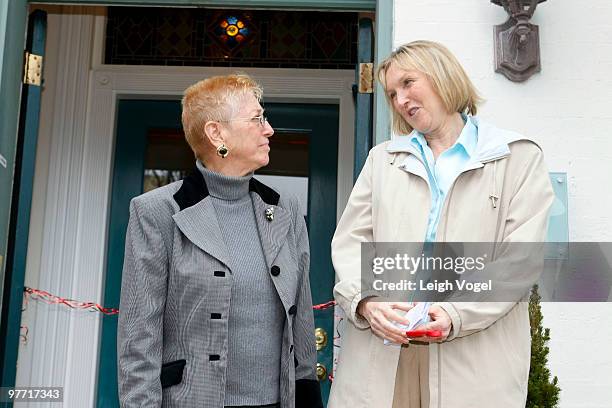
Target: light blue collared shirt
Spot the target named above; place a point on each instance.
(443, 171)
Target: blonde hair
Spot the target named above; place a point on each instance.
(214, 99)
(446, 75)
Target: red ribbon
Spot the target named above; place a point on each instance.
(326, 305)
(73, 304)
(109, 311)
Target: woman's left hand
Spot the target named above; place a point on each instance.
(440, 320)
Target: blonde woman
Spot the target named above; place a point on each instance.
(447, 177)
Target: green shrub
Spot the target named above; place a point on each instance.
(542, 392)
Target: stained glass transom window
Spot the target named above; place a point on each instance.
(246, 38)
(232, 31)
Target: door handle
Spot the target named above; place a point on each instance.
(320, 338)
(321, 372)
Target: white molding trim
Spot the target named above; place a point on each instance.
(63, 245)
(68, 229)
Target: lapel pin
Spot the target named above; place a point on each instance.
(269, 213)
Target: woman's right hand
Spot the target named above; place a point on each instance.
(382, 315)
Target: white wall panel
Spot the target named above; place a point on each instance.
(566, 109)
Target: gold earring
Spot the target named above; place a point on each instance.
(222, 151)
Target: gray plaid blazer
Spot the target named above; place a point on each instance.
(176, 274)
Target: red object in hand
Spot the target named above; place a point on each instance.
(424, 333)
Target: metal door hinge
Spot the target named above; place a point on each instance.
(366, 77)
(32, 70)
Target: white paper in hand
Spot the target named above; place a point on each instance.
(417, 316)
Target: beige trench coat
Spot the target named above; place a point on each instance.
(504, 195)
